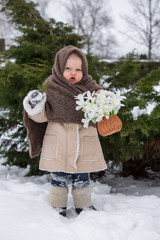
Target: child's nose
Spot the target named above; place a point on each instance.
(73, 72)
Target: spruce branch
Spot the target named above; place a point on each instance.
(34, 16)
(120, 65)
(42, 87)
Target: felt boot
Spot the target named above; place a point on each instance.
(62, 211)
(82, 199)
(79, 210)
(58, 199)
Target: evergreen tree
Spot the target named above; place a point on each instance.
(32, 58)
(137, 146)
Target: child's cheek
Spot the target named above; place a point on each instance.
(64, 75)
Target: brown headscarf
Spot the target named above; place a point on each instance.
(60, 105)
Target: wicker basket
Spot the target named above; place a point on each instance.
(109, 126)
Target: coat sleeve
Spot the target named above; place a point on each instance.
(36, 113)
(39, 117)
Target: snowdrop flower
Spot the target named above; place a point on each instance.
(81, 102)
(89, 95)
(119, 97)
(100, 115)
(98, 105)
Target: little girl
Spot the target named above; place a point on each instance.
(68, 150)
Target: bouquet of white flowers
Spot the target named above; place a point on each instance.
(97, 106)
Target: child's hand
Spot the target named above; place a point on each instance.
(35, 98)
(97, 92)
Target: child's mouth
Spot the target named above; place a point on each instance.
(73, 79)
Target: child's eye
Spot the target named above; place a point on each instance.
(67, 68)
(78, 70)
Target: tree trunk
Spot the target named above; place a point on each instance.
(150, 32)
(2, 44)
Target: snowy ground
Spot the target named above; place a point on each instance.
(128, 210)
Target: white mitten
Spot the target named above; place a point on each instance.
(34, 102)
(35, 97)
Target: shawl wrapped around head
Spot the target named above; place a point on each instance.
(60, 105)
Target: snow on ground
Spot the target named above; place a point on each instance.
(127, 210)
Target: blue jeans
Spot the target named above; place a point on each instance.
(78, 180)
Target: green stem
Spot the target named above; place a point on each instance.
(112, 112)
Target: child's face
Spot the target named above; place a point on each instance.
(73, 69)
